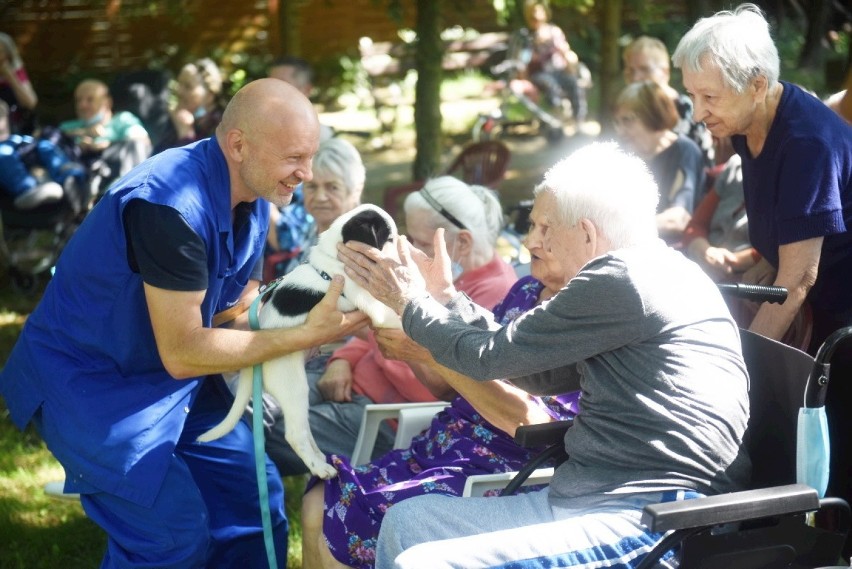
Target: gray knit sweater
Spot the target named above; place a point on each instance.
(647, 337)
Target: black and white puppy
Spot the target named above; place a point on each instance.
(288, 305)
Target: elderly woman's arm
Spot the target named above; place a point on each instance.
(797, 271)
(505, 406)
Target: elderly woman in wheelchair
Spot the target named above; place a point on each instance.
(639, 329)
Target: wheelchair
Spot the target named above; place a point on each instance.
(778, 522)
(31, 240)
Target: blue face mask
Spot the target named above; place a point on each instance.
(813, 449)
(94, 120)
(199, 112)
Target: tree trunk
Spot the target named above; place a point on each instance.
(288, 28)
(427, 103)
(610, 72)
(818, 13)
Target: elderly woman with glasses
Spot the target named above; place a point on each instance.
(357, 373)
(797, 179)
(644, 119)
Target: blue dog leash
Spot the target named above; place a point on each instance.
(257, 433)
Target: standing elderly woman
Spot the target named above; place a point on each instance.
(336, 188)
(644, 118)
(357, 373)
(639, 328)
(797, 179)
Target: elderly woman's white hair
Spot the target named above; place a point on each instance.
(339, 158)
(477, 208)
(611, 188)
(737, 42)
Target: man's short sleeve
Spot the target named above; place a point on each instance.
(163, 248)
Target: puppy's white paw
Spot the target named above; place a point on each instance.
(322, 469)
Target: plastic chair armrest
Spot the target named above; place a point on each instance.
(374, 414)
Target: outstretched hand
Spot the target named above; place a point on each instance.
(436, 270)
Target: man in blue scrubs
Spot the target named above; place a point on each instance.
(120, 364)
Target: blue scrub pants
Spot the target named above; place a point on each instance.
(207, 513)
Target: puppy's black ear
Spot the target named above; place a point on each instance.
(368, 227)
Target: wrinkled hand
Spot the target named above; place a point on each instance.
(336, 383)
(395, 345)
(326, 323)
(436, 271)
(390, 281)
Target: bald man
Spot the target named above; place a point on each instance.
(119, 366)
(96, 127)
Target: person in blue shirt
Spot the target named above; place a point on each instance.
(119, 366)
(797, 179)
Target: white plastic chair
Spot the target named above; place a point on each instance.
(412, 419)
(478, 484)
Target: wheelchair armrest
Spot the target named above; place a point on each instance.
(731, 507)
(542, 435)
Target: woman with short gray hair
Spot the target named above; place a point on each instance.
(797, 180)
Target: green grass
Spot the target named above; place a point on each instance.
(37, 531)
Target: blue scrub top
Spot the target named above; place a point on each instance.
(87, 357)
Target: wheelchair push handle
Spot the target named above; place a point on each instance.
(757, 293)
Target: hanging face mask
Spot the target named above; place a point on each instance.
(813, 450)
(455, 267)
(199, 112)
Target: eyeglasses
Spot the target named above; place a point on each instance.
(624, 121)
(440, 209)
